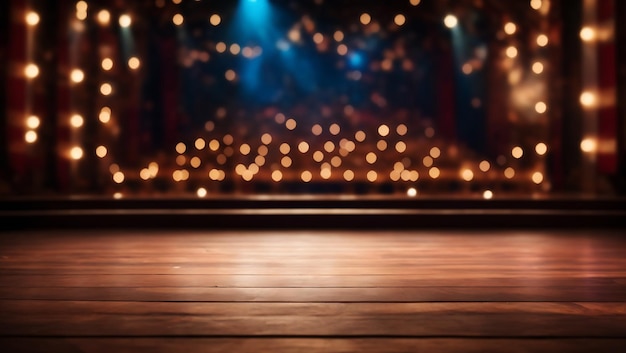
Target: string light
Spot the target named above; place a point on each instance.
(32, 18)
(125, 21)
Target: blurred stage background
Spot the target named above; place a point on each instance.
(469, 98)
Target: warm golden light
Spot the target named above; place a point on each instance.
(303, 147)
(31, 71)
(105, 115)
(541, 148)
(587, 34)
(134, 63)
(510, 28)
(401, 147)
(338, 36)
(402, 129)
(348, 175)
(291, 124)
(266, 139)
(334, 129)
(201, 192)
(125, 21)
(277, 175)
(399, 19)
(342, 49)
(76, 120)
(306, 176)
(107, 64)
(365, 18)
(434, 172)
(537, 67)
(428, 161)
(372, 176)
(178, 19)
(284, 148)
(33, 122)
(450, 21)
(487, 195)
(371, 158)
(411, 192)
(101, 151)
(467, 174)
(106, 89)
(286, 161)
(509, 173)
(144, 174)
(329, 146)
(77, 75)
(511, 52)
(588, 99)
(541, 107)
(220, 47)
(230, 75)
(415, 2)
(536, 4)
(245, 149)
(383, 130)
(118, 177)
(484, 166)
(359, 136)
(517, 152)
(76, 153)
(32, 18)
(435, 152)
(589, 145)
(181, 148)
(104, 17)
(30, 136)
(235, 49)
(316, 129)
(542, 40)
(215, 19)
(537, 178)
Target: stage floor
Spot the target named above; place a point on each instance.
(312, 291)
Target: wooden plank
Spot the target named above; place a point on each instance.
(49, 318)
(579, 279)
(321, 295)
(312, 345)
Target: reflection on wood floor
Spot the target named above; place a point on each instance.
(313, 291)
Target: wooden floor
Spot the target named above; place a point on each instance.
(312, 291)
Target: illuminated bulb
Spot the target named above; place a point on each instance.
(348, 175)
(118, 195)
(517, 152)
(487, 195)
(230, 75)
(537, 178)
(101, 151)
(33, 122)
(306, 176)
(484, 166)
(291, 124)
(510, 28)
(201, 192)
(215, 19)
(542, 40)
(509, 173)
(338, 36)
(105, 115)
(511, 52)
(81, 15)
(76, 121)
(587, 34)
(134, 63)
(77, 75)
(316, 129)
(434, 172)
(76, 153)
(266, 139)
(401, 147)
(450, 21)
(106, 89)
(220, 47)
(318, 38)
(467, 175)
(435, 152)
(587, 99)
(31, 70)
(32, 18)
(178, 19)
(181, 148)
(537, 67)
(334, 129)
(125, 21)
(118, 177)
(107, 64)
(588, 145)
(303, 147)
(535, 4)
(399, 19)
(541, 107)
(30, 136)
(342, 49)
(359, 136)
(383, 130)
(365, 18)
(411, 192)
(372, 176)
(541, 148)
(277, 175)
(81, 6)
(415, 2)
(371, 158)
(104, 17)
(402, 129)
(235, 49)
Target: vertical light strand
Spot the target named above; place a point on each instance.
(589, 80)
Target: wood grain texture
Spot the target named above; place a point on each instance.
(317, 291)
